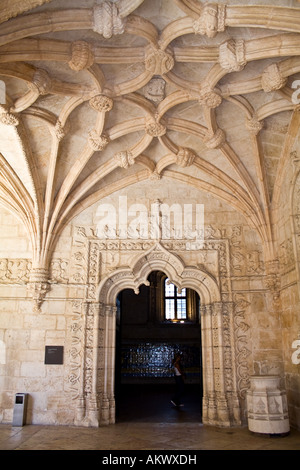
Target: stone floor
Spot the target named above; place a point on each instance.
(145, 422)
(141, 436)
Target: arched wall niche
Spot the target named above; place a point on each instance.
(221, 405)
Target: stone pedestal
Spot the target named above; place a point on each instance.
(267, 406)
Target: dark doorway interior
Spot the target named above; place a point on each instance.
(145, 346)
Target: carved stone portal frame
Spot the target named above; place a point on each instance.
(221, 406)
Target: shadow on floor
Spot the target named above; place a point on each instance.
(151, 403)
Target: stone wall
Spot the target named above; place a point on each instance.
(256, 339)
(288, 241)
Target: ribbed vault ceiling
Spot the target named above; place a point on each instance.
(101, 95)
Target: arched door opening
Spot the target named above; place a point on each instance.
(150, 327)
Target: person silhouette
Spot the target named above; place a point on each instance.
(179, 380)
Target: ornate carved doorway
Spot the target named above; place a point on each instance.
(221, 405)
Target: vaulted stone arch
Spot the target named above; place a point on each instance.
(221, 405)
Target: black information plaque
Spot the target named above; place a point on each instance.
(54, 354)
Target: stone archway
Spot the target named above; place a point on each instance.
(220, 395)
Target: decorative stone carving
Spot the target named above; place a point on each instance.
(96, 141)
(154, 175)
(12, 8)
(155, 89)
(232, 55)
(82, 56)
(272, 79)
(216, 140)
(254, 125)
(267, 406)
(101, 103)
(211, 20)
(107, 20)
(155, 128)
(272, 278)
(41, 82)
(242, 330)
(9, 119)
(77, 326)
(38, 286)
(124, 159)
(185, 157)
(296, 354)
(59, 130)
(157, 61)
(208, 97)
(14, 270)
(58, 270)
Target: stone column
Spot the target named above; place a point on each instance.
(219, 365)
(105, 399)
(209, 404)
(93, 408)
(220, 402)
(112, 362)
(108, 398)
